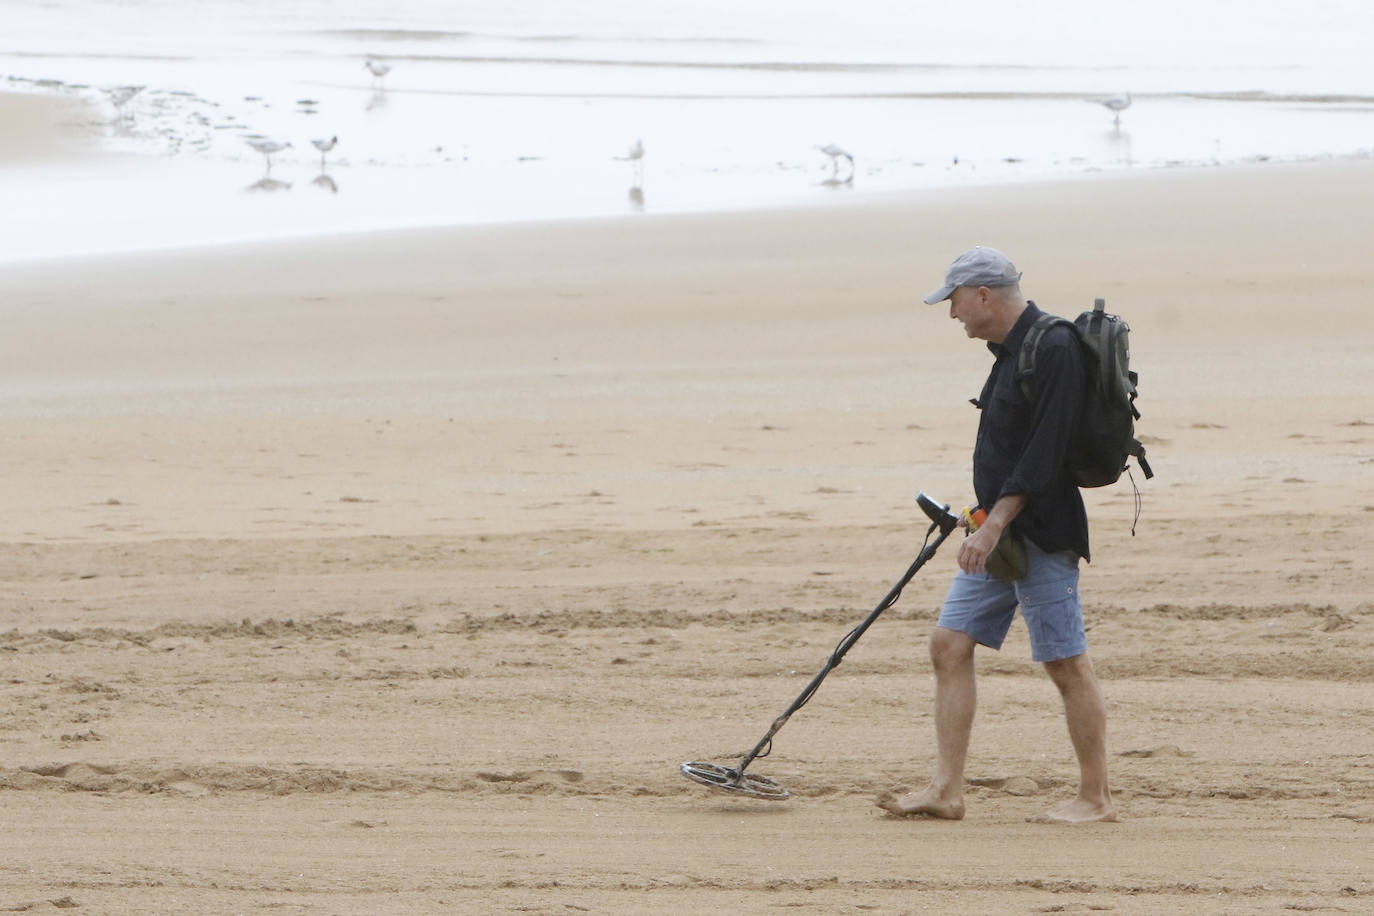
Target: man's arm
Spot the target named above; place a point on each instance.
(973, 553)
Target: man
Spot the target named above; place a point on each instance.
(1035, 516)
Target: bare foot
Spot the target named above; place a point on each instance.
(1077, 811)
(925, 803)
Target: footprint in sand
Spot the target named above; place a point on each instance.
(1011, 785)
(1335, 622)
(1164, 750)
(188, 788)
(71, 770)
(1021, 785)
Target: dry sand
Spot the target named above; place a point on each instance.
(399, 573)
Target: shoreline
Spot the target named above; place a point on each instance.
(185, 202)
(856, 200)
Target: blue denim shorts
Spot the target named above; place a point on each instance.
(983, 607)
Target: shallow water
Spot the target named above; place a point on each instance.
(503, 111)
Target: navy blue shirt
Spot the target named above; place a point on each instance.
(1022, 443)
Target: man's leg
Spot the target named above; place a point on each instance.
(1086, 713)
(956, 697)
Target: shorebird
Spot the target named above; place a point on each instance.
(635, 154)
(1116, 104)
(836, 153)
(324, 146)
(267, 148)
(377, 69)
(121, 95)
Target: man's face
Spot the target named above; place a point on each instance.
(969, 307)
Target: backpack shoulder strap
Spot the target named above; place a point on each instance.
(1025, 360)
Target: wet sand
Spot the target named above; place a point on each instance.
(398, 573)
(45, 128)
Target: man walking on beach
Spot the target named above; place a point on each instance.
(1035, 531)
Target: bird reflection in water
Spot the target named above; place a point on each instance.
(1118, 142)
(268, 184)
(325, 182)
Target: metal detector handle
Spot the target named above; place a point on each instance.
(940, 516)
(937, 512)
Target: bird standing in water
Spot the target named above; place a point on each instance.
(377, 69)
(121, 95)
(837, 153)
(324, 146)
(636, 155)
(1116, 104)
(267, 147)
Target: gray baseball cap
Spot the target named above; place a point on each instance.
(976, 267)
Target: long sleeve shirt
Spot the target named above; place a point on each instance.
(1022, 443)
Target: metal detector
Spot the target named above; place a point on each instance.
(734, 779)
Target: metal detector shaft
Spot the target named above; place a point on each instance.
(946, 525)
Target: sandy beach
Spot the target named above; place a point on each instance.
(398, 572)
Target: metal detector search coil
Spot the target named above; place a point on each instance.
(734, 779)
